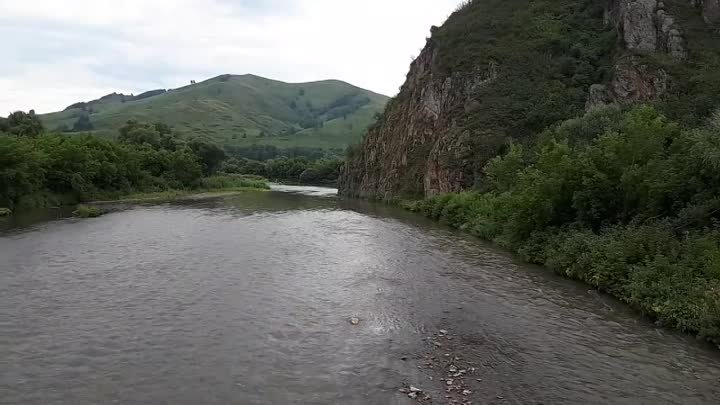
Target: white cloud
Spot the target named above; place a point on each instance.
(63, 53)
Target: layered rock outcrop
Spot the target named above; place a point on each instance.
(644, 26)
(408, 152)
(423, 145)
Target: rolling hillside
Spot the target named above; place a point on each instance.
(237, 111)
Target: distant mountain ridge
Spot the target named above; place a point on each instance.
(237, 111)
(116, 97)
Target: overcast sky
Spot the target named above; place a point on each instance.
(57, 52)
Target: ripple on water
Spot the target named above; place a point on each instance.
(247, 299)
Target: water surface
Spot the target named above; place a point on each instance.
(246, 300)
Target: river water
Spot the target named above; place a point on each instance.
(247, 300)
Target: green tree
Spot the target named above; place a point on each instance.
(309, 176)
(182, 168)
(24, 124)
(22, 169)
(136, 133)
(210, 154)
(82, 124)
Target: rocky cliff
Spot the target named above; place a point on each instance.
(505, 70)
(710, 10)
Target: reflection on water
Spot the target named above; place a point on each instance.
(306, 190)
(246, 300)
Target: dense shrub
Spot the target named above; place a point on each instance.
(40, 169)
(323, 171)
(88, 211)
(86, 166)
(625, 201)
(232, 182)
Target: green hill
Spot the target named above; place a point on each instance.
(237, 111)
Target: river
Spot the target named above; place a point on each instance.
(248, 300)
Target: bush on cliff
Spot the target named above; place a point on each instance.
(625, 201)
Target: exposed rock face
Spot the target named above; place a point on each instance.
(710, 10)
(419, 122)
(422, 144)
(633, 82)
(645, 25)
(637, 22)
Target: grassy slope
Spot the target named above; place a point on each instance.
(236, 110)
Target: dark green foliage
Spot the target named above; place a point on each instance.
(147, 158)
(157, 136)
(22, 169)
(243, 166)
(345, 105)
(85, 166)
(88, 211)
(82, 124)
(627, 202)
(267, 152)
(209, 153)
(229, 182)
(284, 168)
(22, 124)
(62, 128)
(323, 171)
(547, 53)
(694, 90)
(180, 168)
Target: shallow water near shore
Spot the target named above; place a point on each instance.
(247, 299)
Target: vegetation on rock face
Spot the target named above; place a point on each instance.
(694, 84)
(626, 201)
(547, 53)
(238, 111)
(505, 70)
